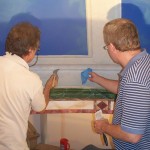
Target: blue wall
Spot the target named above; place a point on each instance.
(62, 24)
(137, 11)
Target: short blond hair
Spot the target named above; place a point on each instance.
(122, 33)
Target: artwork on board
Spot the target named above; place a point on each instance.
(62, 24)
(138, 11)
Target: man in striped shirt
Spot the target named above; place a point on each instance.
(130, 128)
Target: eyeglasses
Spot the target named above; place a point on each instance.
(37, 57)
(105, 47)
(38, 50)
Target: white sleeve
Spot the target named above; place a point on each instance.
(38, 101)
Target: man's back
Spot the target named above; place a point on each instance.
(17, 90)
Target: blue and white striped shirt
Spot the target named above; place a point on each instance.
(132, 110)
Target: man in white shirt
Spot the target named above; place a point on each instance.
(20, 89)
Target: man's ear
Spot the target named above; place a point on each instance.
(112, 47)
(29, 50)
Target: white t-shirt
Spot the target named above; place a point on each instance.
(20, 90)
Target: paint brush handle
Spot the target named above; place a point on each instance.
(105, 139)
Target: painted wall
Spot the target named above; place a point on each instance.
(98, 12)
(77, 127)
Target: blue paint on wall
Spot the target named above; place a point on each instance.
(62, 24)
(138, 11)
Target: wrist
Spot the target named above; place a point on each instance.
(105, 127)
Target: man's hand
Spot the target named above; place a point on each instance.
(99, 124)
(52, 81)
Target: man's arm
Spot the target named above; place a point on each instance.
(102, 126)
(108, 84)
(51, 83)
(48, 86)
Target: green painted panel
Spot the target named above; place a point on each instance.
(81, 93)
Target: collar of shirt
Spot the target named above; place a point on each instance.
(17, 59)
(135, 58)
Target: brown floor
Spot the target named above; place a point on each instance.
(46, 147)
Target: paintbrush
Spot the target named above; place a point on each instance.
(98, 116)
(55, 77)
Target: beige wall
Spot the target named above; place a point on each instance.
(76, 127)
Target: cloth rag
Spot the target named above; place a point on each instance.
(85, 75)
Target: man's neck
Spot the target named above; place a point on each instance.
(126, 56)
